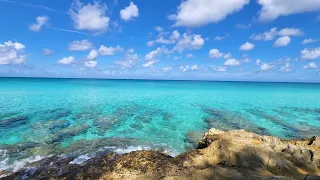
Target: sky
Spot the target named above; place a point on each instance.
(229, 40)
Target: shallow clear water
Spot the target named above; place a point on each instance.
(80, 117)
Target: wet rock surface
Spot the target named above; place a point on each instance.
(236, 154)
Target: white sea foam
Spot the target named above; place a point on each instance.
(81, 159)
(16, 165)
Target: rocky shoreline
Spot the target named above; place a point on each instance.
(236, 154)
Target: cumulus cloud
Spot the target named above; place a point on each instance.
(131, 50)
(266, 67)
(258, 61)
(232, 62)
(67, 60)
(311, 65)
(194, 68)
(150, 63)
(151, 55)
(11, 53)
(129, 12)
(310, 54)
(189, 55)
(130, 61)
(273, 33)
(215, 53)
(308, 41)
(158, 28)
(219, 38)
(286, 67)
(195, 13)
(171, 40)
(227, 56)
(189, 42)
(290, 32)
(90, 64)
(40, 21)
(82, 45)
(91, 17)
(272, 9)
(47, 51)
(93, 55)
(282, 41)
(176, 57)
(219, 68)
(247, 46)
(184, 68)
(167, 69)
(108, 51)
(150, 43)
(243, 26)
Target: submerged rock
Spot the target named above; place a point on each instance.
(236, 154)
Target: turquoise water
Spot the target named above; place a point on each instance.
(81, 117)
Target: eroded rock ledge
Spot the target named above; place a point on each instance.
(236, 154)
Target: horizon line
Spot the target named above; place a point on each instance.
(197, 80)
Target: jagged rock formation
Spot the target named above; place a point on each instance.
(236, 154)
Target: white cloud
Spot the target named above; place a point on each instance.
(310, 54)
(308, 41)
(150, 43)
(266, 36)
(82, 45)
(47, 51)
(243, 26)
(290, 32)
(247, 60)
(150, 63)
(167, 69)
(172, 39)
(232, 62)
(195, 13)
(282, 41)
(266, 67)
(130, 12)
(158, 28)
(131, 50)
(108, 51)
(215, 53)
(66, 61)
(194, 68)
(258, 61)
(219, 69)
(176, 57)
(90, 17)
(10, 53)
(40, 21)
(184, 68)
(190, 42)
(189, 55)
(151, 55)
(247, 46)
(272, 9)
(273, 33)
(92, 55)
(286, 67)
(175, 35)
(130, 61)
(227, 56)
(90, 64)
(311, 65)
(219, 38)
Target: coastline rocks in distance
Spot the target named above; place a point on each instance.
(236, 154)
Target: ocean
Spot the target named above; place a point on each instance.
(82, 118)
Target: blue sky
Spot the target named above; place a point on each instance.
(245, 40)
